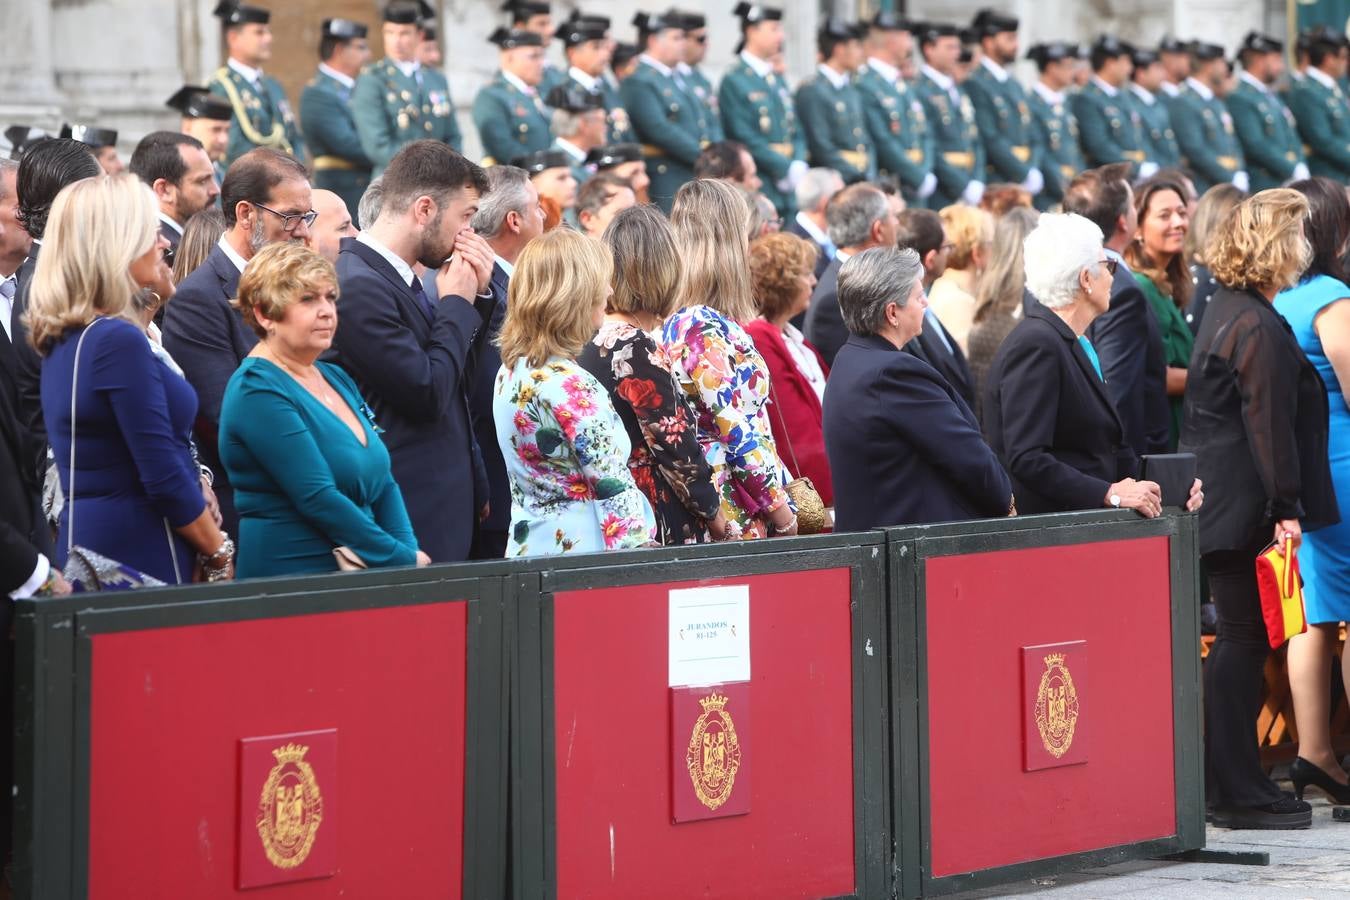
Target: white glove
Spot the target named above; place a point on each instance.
(1241, 182)
(973, 192)
(1147, 168)
(797, 170)
(1034, 181)
(927, 186)
(1300, 172)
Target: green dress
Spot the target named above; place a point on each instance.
(1177, 342)
(302, 482)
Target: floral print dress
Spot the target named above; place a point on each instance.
(667, 461)
(566, 453)
(726, 380)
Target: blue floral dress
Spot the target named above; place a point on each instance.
(566, 453)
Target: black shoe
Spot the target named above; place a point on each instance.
(1285, 813)
(1303, 773)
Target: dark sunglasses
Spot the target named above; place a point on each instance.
(1111, 265)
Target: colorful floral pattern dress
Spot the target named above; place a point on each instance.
(566, 453)
(726, 380)
(667, 461)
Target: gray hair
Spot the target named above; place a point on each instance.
(817, 186)
(762, 212)
(7, 165)
(1057, 251)
(565, 124)
(871, 281)
(852, 213)
(507, 192)
(371, 202)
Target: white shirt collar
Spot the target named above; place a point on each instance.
(1254, 82)
(409, 68)
(508, 268)
(684, 68)
(570, 149)
(250, 74)
(939, 79)
(404, 270)
(1170, 89)
(590, 83)
(1320, 77)
(1142, 94)
(341, 78)
(994, 68)
(884, 69)
(833, 77)
(1201, 89)
(820, 237)
(1104, 87)
(517, 83)
(762, 67)
(1120, 260)
(167, 220)
(658, 66)
(232, 254)
(1053, 97)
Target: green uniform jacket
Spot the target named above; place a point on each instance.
(553, 76)
(758, 112)
(1268, 134)
(340, 165)
(1155, 127)
(1108, 129)
(1205, 133)
(1006, 128)
(262, 115)
(670, 125)
(958, 156)
(697, 84)
(898, 129)
(836, 134)
(1324, 124)
(1061, 158)
(391, 110)
(580, 171)
(510, 122)
(620, 129)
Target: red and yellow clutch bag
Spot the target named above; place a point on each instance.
(1281, 589)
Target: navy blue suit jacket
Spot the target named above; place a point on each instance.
(208, 339)
(1134, 364)
(27, 365)
(411, 369)
(904, 448)
(951, 364)
(824, 326)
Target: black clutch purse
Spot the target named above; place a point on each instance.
(1174, 473)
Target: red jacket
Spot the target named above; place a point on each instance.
(794, 409)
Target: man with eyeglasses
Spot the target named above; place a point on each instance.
(266, 199)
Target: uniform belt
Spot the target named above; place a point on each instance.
(1228, 162)
(784, 150)
(915, 155)
(327, 163)
(652, 150)
(1133, 155)
(855, 158)
(962, 159)
(1023, 154)
(1069, 172)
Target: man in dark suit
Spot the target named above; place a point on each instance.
(904, 447)
(180, 173)
(410, 353)
(1126, 337)
(921, 231)
(266, 199)
(813, 195)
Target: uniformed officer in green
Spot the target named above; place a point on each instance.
(696, 82)
(830, 106)
(1175, 56)
(896, 124)
(551, 174)
(1001, 110)
(579, 125)
(958, 158)
(1155, 120)
(207, 118)
(537, 16)
(262, 115)
(102, 141)
(1203, 126)
(340, 165)
(1320, 107)
(588, 48)
(1109, 130)
(1056, 127)
(397, 100)
(670, 124)
(625, 161)
(1265, 127)
(509, 110)
(757, 106)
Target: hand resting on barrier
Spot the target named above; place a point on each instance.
(1144, 497)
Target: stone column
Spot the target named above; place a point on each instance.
(28, 92)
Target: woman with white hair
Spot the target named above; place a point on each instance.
(1046, 409)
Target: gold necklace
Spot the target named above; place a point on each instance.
(325, 393)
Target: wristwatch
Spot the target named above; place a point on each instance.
(1114, 500)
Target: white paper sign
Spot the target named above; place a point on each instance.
(709, 635)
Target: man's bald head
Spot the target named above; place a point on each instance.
(333, 224)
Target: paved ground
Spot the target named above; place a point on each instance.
(1304, 865)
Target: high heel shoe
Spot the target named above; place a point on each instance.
(1304, 773)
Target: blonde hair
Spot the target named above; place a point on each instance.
(1261, 244)
(97, 228)
(277, 276)
(646, 263)
(710, 219)
(967, 227)
(560, 279)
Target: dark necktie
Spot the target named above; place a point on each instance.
(422, 299)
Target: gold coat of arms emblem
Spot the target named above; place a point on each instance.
(1056, 706)
(714, 752)
(290, 809)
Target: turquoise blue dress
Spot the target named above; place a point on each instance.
(302, 482)
(1324, 558)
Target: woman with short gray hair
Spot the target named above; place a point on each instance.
(904, 448)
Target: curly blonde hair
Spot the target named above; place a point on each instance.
(1261, 245)
(561, 278)
(277, 276)
(777, 263)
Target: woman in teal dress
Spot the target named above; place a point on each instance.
(1158, 261)
(301, 447)
(1318, 311)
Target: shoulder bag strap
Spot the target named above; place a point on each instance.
(74, 394)
(773, 395)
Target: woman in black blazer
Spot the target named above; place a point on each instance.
(1255, 416)
(1047, 412)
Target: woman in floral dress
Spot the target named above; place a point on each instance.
(565, 447)
(667, 461)
(715, 361)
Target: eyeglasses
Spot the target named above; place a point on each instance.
(946, 248)
(1110, 264)
(291, 221)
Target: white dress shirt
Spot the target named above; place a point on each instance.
(341, 78)
(251, 75)
(239, 261)
(404, 270)
(806, 361)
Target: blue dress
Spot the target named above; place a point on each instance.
(134, 478)
(1324, 558)
(303, 483)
